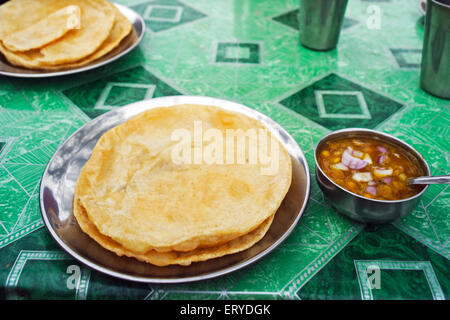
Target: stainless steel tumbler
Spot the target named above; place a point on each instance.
(320, 23)
(435, 69)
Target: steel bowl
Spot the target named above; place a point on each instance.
(357, 207)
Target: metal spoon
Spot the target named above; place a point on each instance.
(430, 180)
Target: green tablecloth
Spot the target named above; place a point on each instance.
(246, 51)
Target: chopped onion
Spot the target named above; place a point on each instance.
(381, 159)
(339, 166)
(372, 183)
(387, 180)
(372, 190)
(362, 176)
(382, 149)
(380, 173)
(352, 162)
(357, 154)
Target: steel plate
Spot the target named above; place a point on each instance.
(61, 174)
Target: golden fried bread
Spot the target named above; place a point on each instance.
(97, 19)
(121, 28)
(44, 31)
(134, 193)
(172, 257)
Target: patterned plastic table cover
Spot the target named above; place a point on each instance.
(246, 51)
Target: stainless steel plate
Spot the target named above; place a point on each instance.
(61, 174)
(125, 46)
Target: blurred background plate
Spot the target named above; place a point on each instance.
(125, 46)
(61, 174)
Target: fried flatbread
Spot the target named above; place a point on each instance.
(134, 193)
(97, 18)
(121, 28)
(17, 15)
(172, 257)
(45, 31)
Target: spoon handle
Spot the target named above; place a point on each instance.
(430, 180)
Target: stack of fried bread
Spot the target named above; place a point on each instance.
(135, 200)
(59, 34)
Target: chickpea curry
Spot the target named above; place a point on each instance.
(369, 168)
